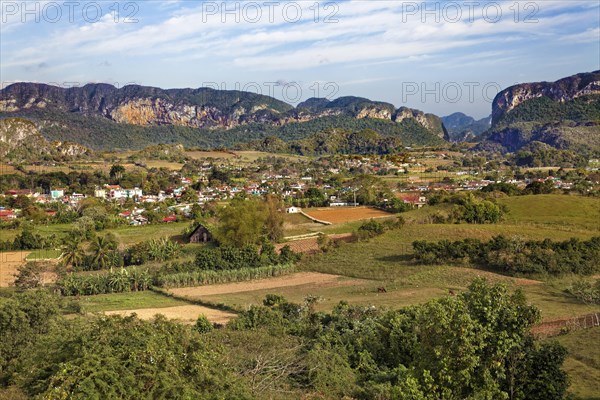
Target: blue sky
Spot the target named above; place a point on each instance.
(439, 57)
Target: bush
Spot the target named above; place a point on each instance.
(273, 300)
(231, 258)
(152, 250)
(586, 292)
(203, 325)
(30, 275)
(372, 228)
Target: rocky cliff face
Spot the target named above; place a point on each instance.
(363, 108)
(429, 121)
(16, 132)
(195, 108)
(563, 90)
(20, 139)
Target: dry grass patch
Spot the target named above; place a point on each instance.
(187, 314)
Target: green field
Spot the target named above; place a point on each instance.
(127, 235)
(127, 301)
(298, 224)
(387, 258)
(43, 254)
(251, 156)
(583, 362)
(557, 211)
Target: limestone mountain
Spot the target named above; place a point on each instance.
(105, 117)
(20, 140)
(564, 90)
(564, 114)
(462, 128)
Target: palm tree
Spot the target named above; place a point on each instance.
(72, 254)
(102, 248)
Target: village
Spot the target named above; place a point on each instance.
(298, 185)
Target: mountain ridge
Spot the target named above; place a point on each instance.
(202, 109)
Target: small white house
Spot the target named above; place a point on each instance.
(57, 194)
(292, 210)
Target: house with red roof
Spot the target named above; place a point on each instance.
(6, 215)
(170, 218)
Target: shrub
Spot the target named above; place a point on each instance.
(586, 292)
(203, 325)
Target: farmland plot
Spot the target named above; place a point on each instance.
(345, 214)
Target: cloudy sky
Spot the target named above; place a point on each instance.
(440, 57)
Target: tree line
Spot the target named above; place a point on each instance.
(514, 256)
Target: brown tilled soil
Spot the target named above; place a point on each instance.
(345, 214)
(9, 263)
(186, 314)
(12, 260)
(300, 278)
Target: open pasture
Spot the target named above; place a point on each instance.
(173, 166)
(583, 362)
(198, 154)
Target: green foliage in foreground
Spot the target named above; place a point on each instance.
(514, 256)
(472, 346)
(50, 357)
(476, 345)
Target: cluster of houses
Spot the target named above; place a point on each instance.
(286, 186)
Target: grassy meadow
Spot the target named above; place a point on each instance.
(583, 362)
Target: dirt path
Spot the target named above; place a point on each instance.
(554, 327)
(301, 278)
(185, 314)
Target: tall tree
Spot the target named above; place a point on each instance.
(72, 253)
(103, 248)
(241, 222)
